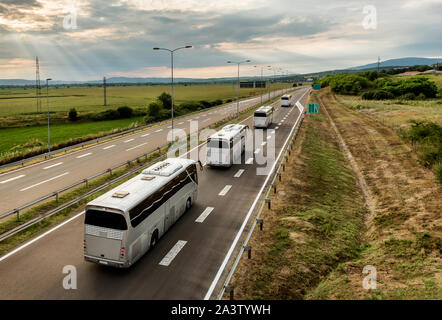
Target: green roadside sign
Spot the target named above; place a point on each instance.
(317, 86)
(313, 108)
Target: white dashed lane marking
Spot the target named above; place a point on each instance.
(52, 166)
(12, 179)
(204, 215)
(108, 147)
(84, 155)
(239, 173)
(224, 191)
(37, 184)
(173, 253)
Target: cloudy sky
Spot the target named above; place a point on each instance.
(89, 39)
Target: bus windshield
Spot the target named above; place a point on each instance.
(284, 98)
(218, 144)
(260, 114)
(105, 219)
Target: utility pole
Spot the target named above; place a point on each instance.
(37, 84)
(47, 104)
(237, 101)
(104, 87)
(171, 80)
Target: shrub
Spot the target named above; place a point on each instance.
(166, 100)
(217, 102)
(382, 95)
(421, 96)
(377, 95)
(125, 112)
(408, 96)
(154, 110)
(369, 95)
(205, 104)
(73, 116)
(438, 172)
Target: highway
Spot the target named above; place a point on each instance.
(185, 261)
(24, 185)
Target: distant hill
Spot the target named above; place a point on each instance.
(402, 62)
(122, 80)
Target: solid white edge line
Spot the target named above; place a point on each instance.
(204, 214)
(238, 235)
(39, 237)
(12, 179)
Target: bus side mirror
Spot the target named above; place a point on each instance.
(201, 165)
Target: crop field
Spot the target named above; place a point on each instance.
(21, 101)
(18, 106)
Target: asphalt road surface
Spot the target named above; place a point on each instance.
(35, 271)
(27, 184)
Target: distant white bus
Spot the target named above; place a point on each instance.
(286, 100)
(263, 116)
(227, 145)
(121, 225)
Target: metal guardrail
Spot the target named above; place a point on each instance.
(264, 199)
(86, 181)
(47, 155)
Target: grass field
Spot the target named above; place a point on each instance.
(319, 236)
(17, 137)
(18, 106)
(19, 101)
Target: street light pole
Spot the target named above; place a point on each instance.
(237, 100)
(171, 82)
(47, 104)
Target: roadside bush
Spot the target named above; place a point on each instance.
(415, 85)
(408, 96)
(421, 96)
(438, 172)
(73, 116)
(154, 110)
(377, 95)
(217, 102)
(125, 112)
(166, 100)
(428, 137)
(205, 104)
(348, 84)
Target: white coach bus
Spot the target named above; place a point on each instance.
(263, 116)
(121, 225)
(286, 100)
(227, 145)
